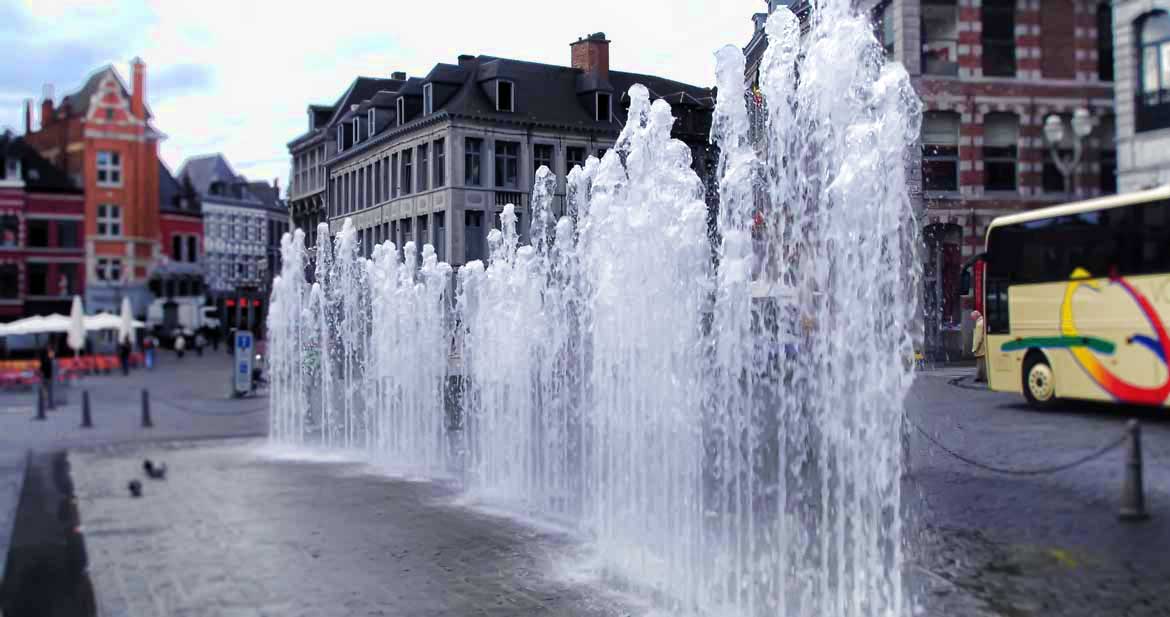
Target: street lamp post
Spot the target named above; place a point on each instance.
(1082, 125)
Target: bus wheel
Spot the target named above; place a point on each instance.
(1039, 385)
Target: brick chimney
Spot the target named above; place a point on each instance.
(591, 54)
(28, 115)
(46, 105)
(138, 95)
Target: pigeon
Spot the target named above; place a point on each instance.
(156, 472)
(135, 488)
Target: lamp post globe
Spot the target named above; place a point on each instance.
(1053, 129)
(1082, 122)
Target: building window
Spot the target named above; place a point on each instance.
(1001, 133)
(371, 124)
(1105, 41)
(542, 154)
(109, 168)
(1153, 101)
(507, 164)
(940, 151)
(37, 277)
(400, 110)
(109, 220)
(394, 175)
(69, 234)
(407, 169)
(604, 107)
(440, 173)
(1107, 146)
(505, 100)
(885, 30)
(428, 99)
(473, 153)
(423, 159)
(574, 157)
(9, 281)
(193, 249)
(357, 130)
(378, 196)
(176, 248)
(473, 234)
(999, 38)
(108, 269)
(340, 137)
(9, 230)
(38, 233)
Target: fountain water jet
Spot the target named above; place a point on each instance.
(725, 433)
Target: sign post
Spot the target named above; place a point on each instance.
(242, 367)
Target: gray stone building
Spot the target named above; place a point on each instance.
(242, 225)
(434, 159)
(1142, 92)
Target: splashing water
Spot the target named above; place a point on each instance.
(726, 433)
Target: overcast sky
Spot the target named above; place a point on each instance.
(236, 77)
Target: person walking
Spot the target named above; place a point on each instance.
(148, 345)
(200, 343)
(180, 346)
(979, 347)
(124, 356)
(47, 361)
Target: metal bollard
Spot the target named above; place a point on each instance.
(86, 418)
(1133, 502)
(146, 421)
(40, 402)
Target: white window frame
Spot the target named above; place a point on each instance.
(400, 110)
(357, 129)
(597, 106)
(105, 268)
(511, 83)
(370, 122)
(428, 99)
(109, 223)
(340, 137)
(111, 167)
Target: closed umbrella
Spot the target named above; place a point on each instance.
(76, 338)
(126, 329)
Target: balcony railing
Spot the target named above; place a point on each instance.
(515, 198)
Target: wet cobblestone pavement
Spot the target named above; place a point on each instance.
(231, 533)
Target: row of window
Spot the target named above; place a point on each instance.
(42, 233)
(185, 248)
(234, 227)
(39, 279)
(998, 20)
(1000, 154)
(309, 170)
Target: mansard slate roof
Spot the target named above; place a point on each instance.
(172, 193)
(267, 194)
(203, 171)
(214, 180)
(544, 95)
(38, 173)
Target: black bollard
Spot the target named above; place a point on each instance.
(146, 421)
(40, 402)
(86, 418)
(1133, 501)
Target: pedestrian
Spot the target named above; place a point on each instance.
(200, 342)
(124, 355)
(979, 347)
(47, 359)
(180, 346)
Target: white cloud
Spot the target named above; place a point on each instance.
(269, 60)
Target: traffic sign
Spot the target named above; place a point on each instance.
(245, 344)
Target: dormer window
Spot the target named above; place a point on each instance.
(357, 130)
(428, 100)
(400, 110)
(340, 137)
(604, 107)
(505, 99)
(370, 125)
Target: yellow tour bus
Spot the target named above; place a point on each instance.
(1074, 299)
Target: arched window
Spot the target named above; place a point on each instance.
(1153, 99)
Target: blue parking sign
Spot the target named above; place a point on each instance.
(243, 374)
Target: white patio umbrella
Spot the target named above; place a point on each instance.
(126, 330)
(76, 338)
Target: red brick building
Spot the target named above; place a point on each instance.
(102, 137)
(42, 234)
(989, 73)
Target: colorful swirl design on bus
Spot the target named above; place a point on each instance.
(1084, 347)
